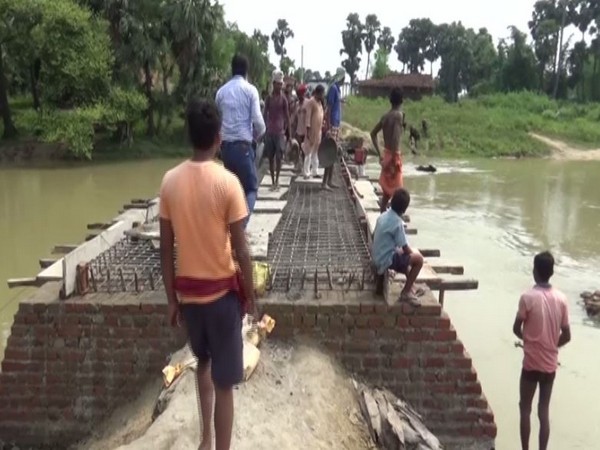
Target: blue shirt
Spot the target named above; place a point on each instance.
(388, 236)
(239, 104)
(334, 105)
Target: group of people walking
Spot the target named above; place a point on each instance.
(206, 206)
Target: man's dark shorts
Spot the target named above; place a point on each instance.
(215, 334)
(400, 262)
(274, 146)
(541, 378)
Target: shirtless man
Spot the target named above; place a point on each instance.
(277, 118)
(391, 161)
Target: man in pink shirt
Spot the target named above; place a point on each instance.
(543, 324)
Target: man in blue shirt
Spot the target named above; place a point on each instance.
(334, 104)
(391, 250)
(243, 124)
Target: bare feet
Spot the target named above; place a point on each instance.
(410, 298)
(325, 188)
(206, 443)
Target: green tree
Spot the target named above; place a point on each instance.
(386, 40)
(287, 65)
(372, 27)
(352, 39)
(454, 47)
(256, 49)
(381, 68)
(519, 69)
(417, 43)
(279, 36)
(544, 28)
(483, 60)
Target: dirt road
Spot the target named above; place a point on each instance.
(564, 151)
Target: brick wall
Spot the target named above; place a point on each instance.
(414, 352)
(68, 363)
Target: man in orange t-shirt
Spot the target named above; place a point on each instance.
(203, 207)
(543, 323)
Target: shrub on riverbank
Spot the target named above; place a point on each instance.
(495, 125)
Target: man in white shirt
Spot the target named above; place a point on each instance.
(239, 104)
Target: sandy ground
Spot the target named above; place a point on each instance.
(564, 151)
(297, 398)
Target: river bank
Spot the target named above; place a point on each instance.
(494, 126)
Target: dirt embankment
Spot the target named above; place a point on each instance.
(297, 398)
(563, 151)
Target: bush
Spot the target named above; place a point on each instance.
(76, 128)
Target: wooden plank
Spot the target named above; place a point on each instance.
(269, 207)
(46, 262)
(372, 221)
(430, 253)
(63, 248)
(444, 267)
(22, 282)
(427, 276)
(91, 249)
(455, 284)
(51, 273)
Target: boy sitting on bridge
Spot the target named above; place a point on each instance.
(391, 250)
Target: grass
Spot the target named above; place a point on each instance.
(491, 126)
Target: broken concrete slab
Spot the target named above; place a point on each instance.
(259, 245)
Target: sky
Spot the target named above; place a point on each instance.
(317, 24)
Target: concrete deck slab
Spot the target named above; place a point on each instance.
(263, 223)
(283, 181)
(264, 193)
(269, 206)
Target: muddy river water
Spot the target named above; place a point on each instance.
(490, 216)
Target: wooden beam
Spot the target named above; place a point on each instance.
(455, 284)
(446, 268)
(430, 253)
(98, 226)
(63, 248)
(46, 262)
(22, 282)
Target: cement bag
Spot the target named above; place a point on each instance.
(261, 272)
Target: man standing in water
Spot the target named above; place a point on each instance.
(277, 117)
(202, 206)
(243, 123)
(314, 132)
(542, 323)
(391, 124)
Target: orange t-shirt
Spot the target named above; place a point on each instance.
(201, 200)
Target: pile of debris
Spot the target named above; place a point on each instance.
(591, 302)
(394, 425)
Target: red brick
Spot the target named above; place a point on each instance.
(444, 335)
(477, 403)
(444, 323)
(457, 348)
(354, 346)
(14, 353)
(20, 330)
(429, 309)
(348, 319)
(309, 320)
(424, 322)
(402, 321)
(415, 336)
(470, 376)
(366, 308)
(471, 388)
(442, 389)
(381, 308)
(402, 362)
(461, 363)
(372, 361)
(148, 309)
(434, 362)
(489, 430)
(442, 349)
(359, 333)
(375, 321)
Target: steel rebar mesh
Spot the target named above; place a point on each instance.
(319, 236)
(131, 265)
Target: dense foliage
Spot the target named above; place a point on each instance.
(471, 63)
(489, 125)
(93, 69)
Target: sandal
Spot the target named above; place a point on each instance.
(411, 299)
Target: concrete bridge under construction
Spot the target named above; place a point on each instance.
(96, 329)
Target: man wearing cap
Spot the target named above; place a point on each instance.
(277, 118)
(242, 123)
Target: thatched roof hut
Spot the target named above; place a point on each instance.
(414, 85)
